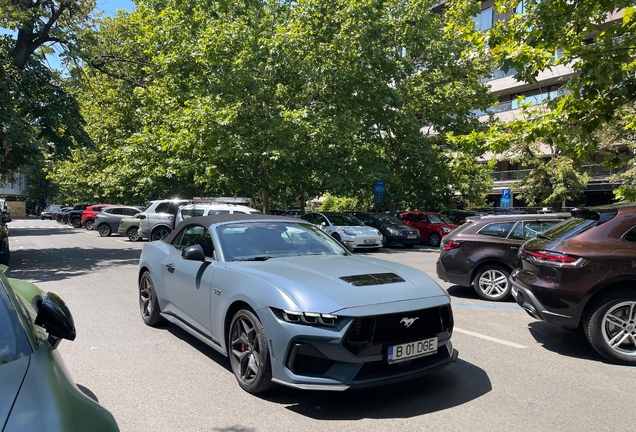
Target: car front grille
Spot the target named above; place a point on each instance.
(397, 328)
(311, 366)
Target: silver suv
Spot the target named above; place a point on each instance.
(157, 220)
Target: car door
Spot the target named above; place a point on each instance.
(421, 222)
(189, 283)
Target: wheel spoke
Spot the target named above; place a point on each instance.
(614, 320)
(631, 317)
(618, 339)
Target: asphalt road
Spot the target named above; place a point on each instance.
(513, 373)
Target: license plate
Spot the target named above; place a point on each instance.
(369, 242)
(411, 237)
(409, 351)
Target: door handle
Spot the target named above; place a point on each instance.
(170, 267)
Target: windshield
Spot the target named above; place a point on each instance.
(247, 240)
(383, 219)
(14, 343)
(343, 219)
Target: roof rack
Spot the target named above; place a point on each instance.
(222, 200)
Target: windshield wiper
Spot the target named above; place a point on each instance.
(256, 258)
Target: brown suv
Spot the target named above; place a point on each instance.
(583, 272)
(483, 251)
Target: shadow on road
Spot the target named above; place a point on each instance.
(59, 264)
(457, 291)
(459, 383)
(570, 343)
(45, 231)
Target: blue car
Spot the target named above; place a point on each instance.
(290, 305)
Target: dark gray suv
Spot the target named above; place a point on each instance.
(483, 251)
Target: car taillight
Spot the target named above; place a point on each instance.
(453, 244)
(555, 259)
(121, 221)
(142, 217)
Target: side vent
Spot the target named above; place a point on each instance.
(373, 279)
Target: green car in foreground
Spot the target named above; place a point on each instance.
(129, 227)
(37, 393)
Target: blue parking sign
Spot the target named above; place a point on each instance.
(505, 193)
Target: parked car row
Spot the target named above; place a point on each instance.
(575, 270)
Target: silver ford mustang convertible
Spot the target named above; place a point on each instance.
(290, 305)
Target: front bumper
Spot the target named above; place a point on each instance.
(525, 298)
(363, 242)
(321, 358)
(403, 239)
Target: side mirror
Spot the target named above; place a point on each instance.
(193, 253)
(323, 224)
(54, 316)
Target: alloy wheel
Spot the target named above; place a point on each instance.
(160, 234)
(493, 283)
(618, 327)
(146, 293)
(245, 349)
(89, 224)
(133, 234)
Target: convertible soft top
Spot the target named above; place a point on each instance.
(214, 219)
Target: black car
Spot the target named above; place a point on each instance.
(74, 216)
(459, 217)
(483, 251)
(47, 212)
(393, 230)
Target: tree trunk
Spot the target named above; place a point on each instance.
(265, 188)
(301, 200)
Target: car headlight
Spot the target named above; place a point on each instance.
(308, 318)
(446, 230)
(348, 232)
(393, 231)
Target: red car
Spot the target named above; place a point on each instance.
(90, 213)
(432, 226)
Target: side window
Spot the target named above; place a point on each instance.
(218, 212)
(163, 208)
(130, 211)
(311, 218)
(630, 235)
(197, 235)
(188, 213)
(320, 219)
(177, 240)
(500, 229)
(117, 211)
(517, 231)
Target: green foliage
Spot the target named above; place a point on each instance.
(596, 45)
(37, 116)
(280, 101)
(340, 204)
(552, 183)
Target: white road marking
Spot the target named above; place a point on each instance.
(489, 338)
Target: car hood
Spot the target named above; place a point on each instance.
(314, 282)
(358, 230)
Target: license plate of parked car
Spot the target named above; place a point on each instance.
(412, 350)
(369, 242)
(411, 237)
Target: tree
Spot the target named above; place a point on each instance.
(276, 99)
(36, 113)
(597, 40)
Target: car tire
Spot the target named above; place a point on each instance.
(249, 352)
(610, 327)
(160, 233)
(384, 242)
(434, 239)
(493, 283)
(76, 222)
(89, 224)
(104, 230)
(148, 303)
(43, 218)
(133, 234)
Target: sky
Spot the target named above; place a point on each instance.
(111, 6)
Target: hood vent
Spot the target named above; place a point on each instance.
(373, 279)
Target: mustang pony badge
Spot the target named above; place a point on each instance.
(408, 322)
